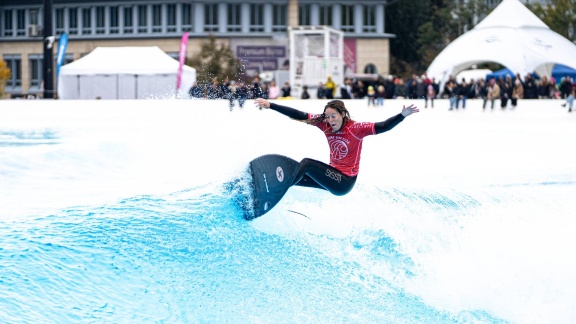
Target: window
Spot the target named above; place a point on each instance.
(211, 17)
(256, 18)
(13, 62)
(347, 18)
(279, 12)
(156, 18)
(114, 20)
(142, 19)
(128, 27)
(33, 29)
(59, 21)
(36, 71)
(21, 22)
(73, 21)
(86, 21)
(304, 12)
(33, 16)
(234, 17)
(186, 17)
(8, 23)
(171, 18)
(369, 19)
(326, 15)
(100, 20)
(370, 69)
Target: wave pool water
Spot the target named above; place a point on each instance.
(117, 211)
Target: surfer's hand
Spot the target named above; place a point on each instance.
(262, 103)
(407, 111)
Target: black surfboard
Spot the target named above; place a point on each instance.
(272, 176)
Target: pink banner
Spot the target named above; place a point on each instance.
(350, 55)
(181, 58)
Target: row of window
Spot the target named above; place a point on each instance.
(14, 63)
(183, 17)
(36, 63)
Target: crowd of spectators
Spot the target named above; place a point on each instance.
(504, 90)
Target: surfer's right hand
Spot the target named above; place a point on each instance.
(261, 103)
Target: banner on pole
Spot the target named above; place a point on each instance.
(181, 59)
(62, 44)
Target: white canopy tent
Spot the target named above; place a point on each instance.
(512, 36)
(473, 74)
(124, 73)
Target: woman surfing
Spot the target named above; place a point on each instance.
(344, 137)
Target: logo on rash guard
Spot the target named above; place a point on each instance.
(338, 149)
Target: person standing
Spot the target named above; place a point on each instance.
(400, 89)
(463, 90)
(305, 94)
(544, 88)
(196, 91)
(390, 86)
(256, 88)
(273, 90)
(506, 92)
(430, 95)
(481, 91)
(493, 93)
(286, 90)
(570, 99)
(242, 93)
(517, 92)
(330, 87)
(346, 89)
(380, 95)
(321, 91)
(232, 94)
(452, 92)
(530, 88)
(371, 96)
(565, 87)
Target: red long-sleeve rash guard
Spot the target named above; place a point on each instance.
(345, 144)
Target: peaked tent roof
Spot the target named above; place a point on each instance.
(124, 73)
(143, 60)
(510, 35)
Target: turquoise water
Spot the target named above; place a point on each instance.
(118, 212)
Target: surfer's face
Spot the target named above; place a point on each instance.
(334, 118)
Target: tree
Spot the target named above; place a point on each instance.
(5, 75)
(424, 28)
(403, 18)
(215, 61)
(450, 19)
(559, 15)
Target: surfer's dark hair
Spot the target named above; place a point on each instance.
(337, 105)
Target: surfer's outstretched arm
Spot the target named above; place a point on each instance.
(284, 110)
(391, 122)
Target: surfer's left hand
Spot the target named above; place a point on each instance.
(407, 111)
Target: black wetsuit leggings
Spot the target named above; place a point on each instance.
(315, 174)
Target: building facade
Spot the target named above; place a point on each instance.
(251, 26)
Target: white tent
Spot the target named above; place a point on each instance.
(473, 74)
(512, 36)
(123, 73)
